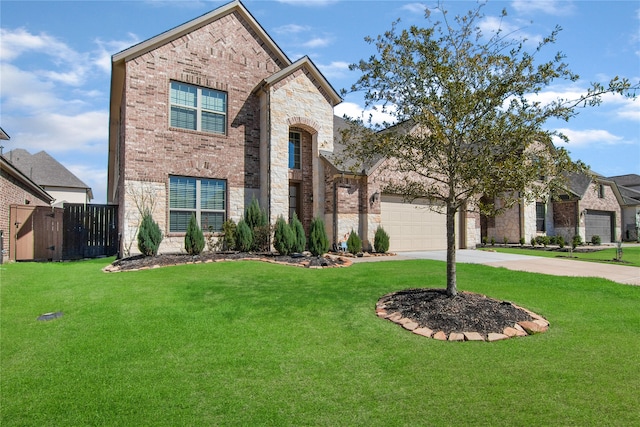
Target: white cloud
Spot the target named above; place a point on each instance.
(336, 69)
(102, 56)
(491, 25)
(549, 7)
(353, 110)
(417, 8)
(588, 137)
(291, 29)
(308, 2)
(317, 42)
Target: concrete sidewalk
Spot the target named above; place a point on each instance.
(533, 264)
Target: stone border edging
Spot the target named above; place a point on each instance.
(520, 329)
(346, 262)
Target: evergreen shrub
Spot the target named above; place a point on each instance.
(381, 240)
(194, 238)
(244, 237)
(354, 244)
(299, 239)
(149, 236)
(318, 240)
(283, 237)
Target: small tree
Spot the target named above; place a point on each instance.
(300, 240)
(467, 126)
(354, 244)
(283, 238)
(194, 238)
(244, 237)
(318, 240)
(149, 236)
(381, 240)
(258, 222)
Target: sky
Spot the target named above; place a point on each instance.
(55, 63)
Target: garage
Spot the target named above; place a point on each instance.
(413, 226)
(599, 223)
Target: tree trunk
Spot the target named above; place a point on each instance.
(452, 289)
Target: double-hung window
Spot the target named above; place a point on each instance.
(198, 108)
(294, 150)
(204, 198)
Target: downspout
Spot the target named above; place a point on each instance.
(335, 213)
(268, 142)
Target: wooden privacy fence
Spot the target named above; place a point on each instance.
(89, 231)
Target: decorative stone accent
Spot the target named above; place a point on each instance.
(425, 332)
(532, 328)
(496, 337)
(440, 336)
(473, 336)
(410, 326)
(455, 336)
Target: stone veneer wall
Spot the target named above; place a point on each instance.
(296, 101)
(608, 203)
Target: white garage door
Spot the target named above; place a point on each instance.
(412, 226)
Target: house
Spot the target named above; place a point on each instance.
(629, 186)
(16, 189)
(590, 205)
(210, 114)
(52, 176)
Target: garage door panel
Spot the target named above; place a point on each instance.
(599, 223)
(412, 226)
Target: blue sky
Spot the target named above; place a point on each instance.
(55, 63)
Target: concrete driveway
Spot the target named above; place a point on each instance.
(554, 266)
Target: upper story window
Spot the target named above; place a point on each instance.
(601, 191)
(294, 150)
(198, 108)
(204, 198)
(541, 212)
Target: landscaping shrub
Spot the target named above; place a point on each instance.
(522, 241)
(505, 240)
(493, 241)
(193, 239)
(258, 222)
(318, 240)
(354, 244)
(576, 241)
(299, 239)
(484, 240)
(381, 240)
(595, 239)
(560, 241)
(553, 240)
(244, 236)
(229, 238)
(283, 237)
(533, 242)
(149, 236)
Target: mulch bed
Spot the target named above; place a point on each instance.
(466, 312)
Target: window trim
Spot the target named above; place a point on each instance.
(198, 210)
(199, 109)
(542, 218)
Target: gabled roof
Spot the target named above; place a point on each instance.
(3, 135)
(307, 63)
(629, 180)
(578, 183)
(44, 170)
(17, 174)
(179, 31)
(630, 196)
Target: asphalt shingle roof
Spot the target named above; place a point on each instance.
(43, 169)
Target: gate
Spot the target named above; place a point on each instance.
(90, 231)
(36, 233)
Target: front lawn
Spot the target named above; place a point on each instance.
(250, 343)
(630, 254)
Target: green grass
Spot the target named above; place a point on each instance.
(631, 254)
(248, 343)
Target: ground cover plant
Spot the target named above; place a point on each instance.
(251, 343)
(631, 254)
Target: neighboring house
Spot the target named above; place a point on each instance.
(52, 176)
(16, 188)
(629, 186)
(591, 205)
(210, 114)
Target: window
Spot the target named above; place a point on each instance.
(294, 150)
(601, 191)
(198, 108)
(540, 217)
(206, 198)
(294, 196)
